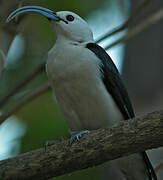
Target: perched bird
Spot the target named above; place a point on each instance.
(88, 87)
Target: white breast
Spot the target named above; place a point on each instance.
(83, 99)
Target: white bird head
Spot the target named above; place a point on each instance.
(72, 26)
(65, 24)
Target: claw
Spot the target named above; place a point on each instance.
(75, 136)
(49, 143)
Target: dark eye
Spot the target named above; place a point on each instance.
(70, 18)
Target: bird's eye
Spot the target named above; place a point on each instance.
(70, 18)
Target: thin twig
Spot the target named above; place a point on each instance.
(37, 92)
(16, 89)
(3, 61)
(95, 148)
(126, 24)
(3, 58)
(153, 19)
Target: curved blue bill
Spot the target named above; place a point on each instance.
(34, 9)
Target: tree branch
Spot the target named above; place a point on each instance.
(26, 99)
(3, 61)
(153, 19)
(28, 79)
(99, 146)
(126, 24)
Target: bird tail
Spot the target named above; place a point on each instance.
(150, 171)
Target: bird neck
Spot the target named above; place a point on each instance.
(65, 40)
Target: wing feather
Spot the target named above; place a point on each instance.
(113, 81)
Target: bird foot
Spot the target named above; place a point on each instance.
(49, 143)
(75, 136)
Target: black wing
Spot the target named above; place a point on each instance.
(115, 86)
(113, 81)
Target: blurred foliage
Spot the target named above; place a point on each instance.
(81, 7)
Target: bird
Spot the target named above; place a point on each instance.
(88, 87)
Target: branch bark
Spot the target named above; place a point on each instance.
(97, 147)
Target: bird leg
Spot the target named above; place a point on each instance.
(49, 143)
(76, 135)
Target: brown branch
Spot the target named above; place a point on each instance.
(127, 23)
(153, 19)
(29, 78)
(37, 92)
(93, 149)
